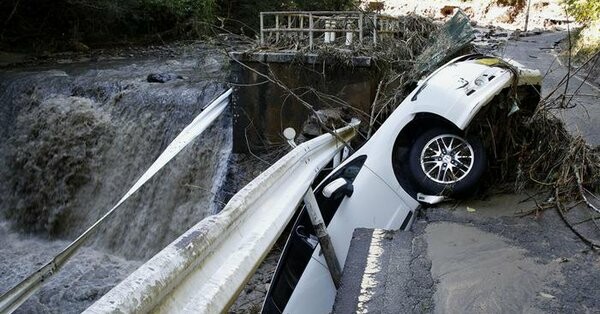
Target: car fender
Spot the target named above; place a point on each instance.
(458, 91)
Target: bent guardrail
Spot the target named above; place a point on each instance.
(13, 298)
(206, 267)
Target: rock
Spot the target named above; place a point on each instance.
(79, 46)
(162, 77)
(173, 62)
(516, 34)
(448, 10)
(332, 118)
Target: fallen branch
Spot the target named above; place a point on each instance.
(559, 209)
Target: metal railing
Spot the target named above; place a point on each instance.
(206, 267)
(313, 28)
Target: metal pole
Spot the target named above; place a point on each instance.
(276, 27)
(333, 25)
(310, 32)
(360, 28)
(375, 29)
(301, 34)
(289, 21)
(262, 26)
(327, 35)
(326, 246)
(527, 15)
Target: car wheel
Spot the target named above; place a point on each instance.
(442, 162)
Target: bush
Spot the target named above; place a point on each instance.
(51, 24)
(584, 11)
(65, 24)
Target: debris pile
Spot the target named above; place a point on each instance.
(534, 151)
(530, 149)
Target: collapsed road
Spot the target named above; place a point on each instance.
(465, 247)
(475, 257)
(495, 255)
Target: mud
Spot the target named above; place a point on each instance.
(465, 264)
(491, 261)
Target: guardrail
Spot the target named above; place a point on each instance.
(13, 298)
(310, 28)
(206, 267)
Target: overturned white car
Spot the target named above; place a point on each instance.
(422, 151)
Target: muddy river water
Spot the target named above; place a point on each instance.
(74, 138)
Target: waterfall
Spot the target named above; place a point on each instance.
(73, 139)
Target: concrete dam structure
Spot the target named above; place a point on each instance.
(273, 91)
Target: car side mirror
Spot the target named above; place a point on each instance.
(337, 187)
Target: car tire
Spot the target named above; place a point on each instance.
(442, 162)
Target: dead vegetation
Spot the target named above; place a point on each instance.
(532, 150)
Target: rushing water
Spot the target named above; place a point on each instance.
(73, 139)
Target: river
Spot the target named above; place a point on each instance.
(74, 137)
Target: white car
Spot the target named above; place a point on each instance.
(419, 152)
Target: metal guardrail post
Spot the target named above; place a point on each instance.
(527, 16)
(301, 34)
(289, 24)
(332, 25)
(312, 207)
(327, 34)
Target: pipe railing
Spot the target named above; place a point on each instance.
(312, 28)
(205, 268)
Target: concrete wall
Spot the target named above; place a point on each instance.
(262, 109)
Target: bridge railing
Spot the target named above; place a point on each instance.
(314, 28)
(206, 267)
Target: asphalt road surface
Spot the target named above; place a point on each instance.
(538, 52)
